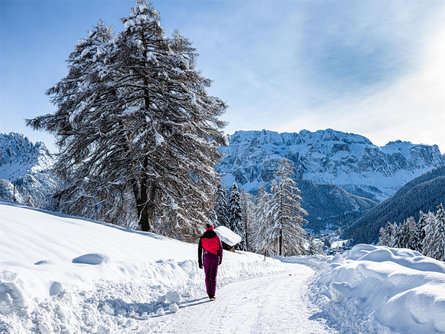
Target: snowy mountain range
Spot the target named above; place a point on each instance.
(25, 171)
(342, 176)
(347, 160)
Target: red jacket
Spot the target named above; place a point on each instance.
(211, 243)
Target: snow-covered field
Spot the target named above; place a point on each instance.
(372, 289)
(61, 274)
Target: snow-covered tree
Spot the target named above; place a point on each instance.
(315, 246)
(393, 233)
(248, 214)
(419, 233)
(136, 128)
(222, 209)
(385, 235)
(404, 233)
(410, 228)
(285, 217)
(434, 242)
(236, 218)
(261, 226)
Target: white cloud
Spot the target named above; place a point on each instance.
(409, 107)
(412, 109)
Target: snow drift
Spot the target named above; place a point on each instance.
(393, 290)
(65, 274)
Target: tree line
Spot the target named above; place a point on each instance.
(427, 235)
(270, 222)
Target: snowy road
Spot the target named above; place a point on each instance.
(272, 304)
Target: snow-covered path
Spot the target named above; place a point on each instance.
(270, 304)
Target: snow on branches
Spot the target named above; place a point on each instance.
(426, 236)
(137, 131)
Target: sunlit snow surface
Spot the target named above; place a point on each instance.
(62, 274)
(372, 289)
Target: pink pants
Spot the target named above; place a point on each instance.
(211, 270)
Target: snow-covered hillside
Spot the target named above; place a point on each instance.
(25, 171)
(424, 193)
(327, 157)
(62, 274)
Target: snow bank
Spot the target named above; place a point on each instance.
(392, 290)
(65, 274)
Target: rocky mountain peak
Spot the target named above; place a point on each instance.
(327, 157)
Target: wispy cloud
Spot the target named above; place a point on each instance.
(368, 67)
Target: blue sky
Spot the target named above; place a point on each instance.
(370, 67)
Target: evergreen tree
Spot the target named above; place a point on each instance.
(315, 246)
(385, 235)
(236, 218)
(261, 225)
(137, 129)
(222, 209)
(428, 241)
(404, 231)
(285, 217)
(419, 233)
(434, 242)
(247, 212)
(410, 229)
(394, 234)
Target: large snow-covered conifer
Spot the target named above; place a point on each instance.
(285, 217)
(261, 224)
(137, 129)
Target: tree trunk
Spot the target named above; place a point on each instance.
(281, 242)
(141, 198)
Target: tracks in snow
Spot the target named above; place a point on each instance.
(272, 304)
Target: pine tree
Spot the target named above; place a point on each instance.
(419, 233)
(404, 233)
(247, 212)
(385, 235)
(261, 225)
(434, 242)
(428, 241)
(410, 228)
(222, 209)
(394, 234)
(285, 216)
(137, 129)
(315, 246)
(236, 218)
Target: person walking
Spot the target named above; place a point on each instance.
(210, 252)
